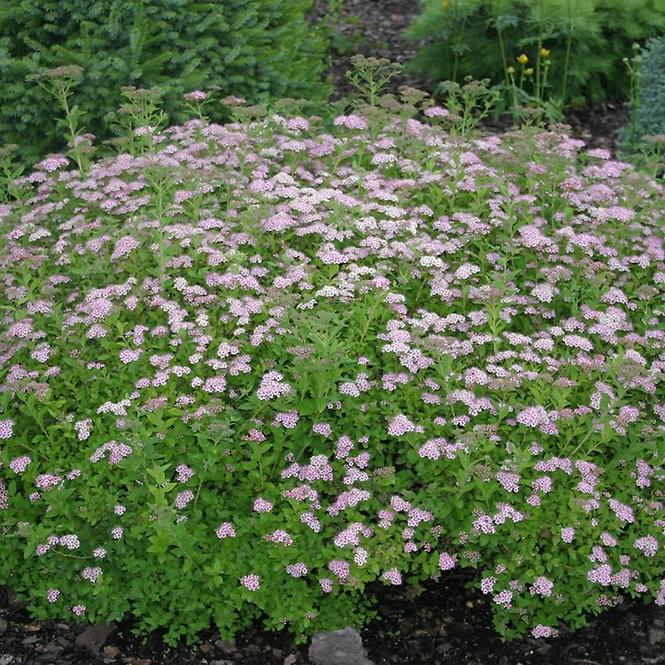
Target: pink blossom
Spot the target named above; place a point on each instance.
(540, 631)
(297, 569)
(648, 545)
(262, 506)
(6, 428)
(393, 576)
(567, 534)
(225, 530)
(251, 582)
(400, 425)
(20, 464)
(351, 122)
(447, 561)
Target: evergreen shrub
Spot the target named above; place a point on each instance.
(651, 95)
(249, 48)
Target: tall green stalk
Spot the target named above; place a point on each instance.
(502, 45)
(569, 45)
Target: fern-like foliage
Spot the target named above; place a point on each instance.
(587, 38)
(255, 49)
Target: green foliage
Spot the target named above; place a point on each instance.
(651, 98)
(370, 76)
(251, 48)
(588, 39)
(642, 140)
(468, 104)
(249, 370)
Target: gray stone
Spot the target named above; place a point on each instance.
(3, 625)
(443, 647)
(109, 652)
(656, 636)
(222, 662)
(51, 653)
(94, 637)
(6, 658)
(340, 647)
(226, 646)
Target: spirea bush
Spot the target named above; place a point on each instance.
(258, 49)
(256, 367)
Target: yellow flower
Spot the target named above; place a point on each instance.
(545, 52)
(446, 3)
(529, 71)
(522, 59)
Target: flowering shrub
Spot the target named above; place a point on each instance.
(258, 366)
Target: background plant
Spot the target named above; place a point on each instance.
(587, 40)
(642, 140)
(250, 48)
(650, 111)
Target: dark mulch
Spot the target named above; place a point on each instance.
(373, 28)
(445, 625)
(376, 28)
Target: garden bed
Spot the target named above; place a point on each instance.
(377, 28)
(446, 625)
(271, 368)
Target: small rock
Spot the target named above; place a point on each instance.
(31, 639)
(656, 636)
(94, 637)
(205, 647)
(290, 659)
(31, 627)
(222, 662)
(543, 648)
(253, 650)
(340, 647)
(16, 604)
(110, 651)
(277, 653)
(3, 626)
(226, 646)
(51, 653)
(6, 658)
(443, 647)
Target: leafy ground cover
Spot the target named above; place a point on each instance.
(251, 369)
